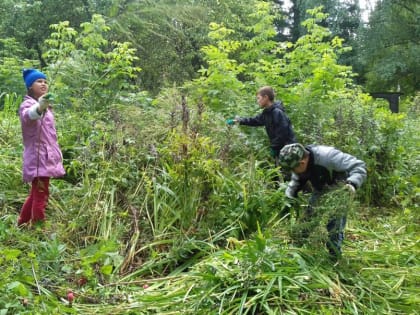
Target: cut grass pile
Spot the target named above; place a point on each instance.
(378, 274)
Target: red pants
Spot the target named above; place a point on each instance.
(34, 207)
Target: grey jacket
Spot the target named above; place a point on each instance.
(327, 166)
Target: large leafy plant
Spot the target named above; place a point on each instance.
(86, 69)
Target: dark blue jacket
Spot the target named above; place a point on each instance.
(277, 125)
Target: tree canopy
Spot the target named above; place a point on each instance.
(168, 35)
(390, 46)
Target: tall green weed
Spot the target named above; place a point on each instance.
(87, 71)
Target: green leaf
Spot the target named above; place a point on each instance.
(11, 254)
(106, 270)
(18, 288)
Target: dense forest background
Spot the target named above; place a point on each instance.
(167, 210)
(168, 36)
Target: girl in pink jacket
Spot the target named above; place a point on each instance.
(42, 156)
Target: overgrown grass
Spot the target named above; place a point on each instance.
(164, 219)
(378, 274)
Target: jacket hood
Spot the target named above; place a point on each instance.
(276, 104)
(279, 105)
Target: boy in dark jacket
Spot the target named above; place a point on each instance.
(273, 117)
(324, 167)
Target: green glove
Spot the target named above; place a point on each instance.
(49, 97)
(45, 101)
(230, 121)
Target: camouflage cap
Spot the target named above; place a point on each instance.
(291, 155)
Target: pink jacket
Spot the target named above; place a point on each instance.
(42, 156)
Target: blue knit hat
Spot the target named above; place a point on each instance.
(31, 75)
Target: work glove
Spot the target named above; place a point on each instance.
(290, 193)
(44, 101)
(230, 121)
(350, 187)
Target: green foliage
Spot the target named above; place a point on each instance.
(234, 61)
(247, 200)
(259, 275)
(101, 74)
(382, 139)
(389, 51)
(260, 32)
(99, 260)
(219, 84)
(192, 167)
(166, 209)
(28, 21)
(10, 149)
(343, 19)
(308, 68)
(325, 109)
(169, 35)
(11, 65)
(315, 81)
